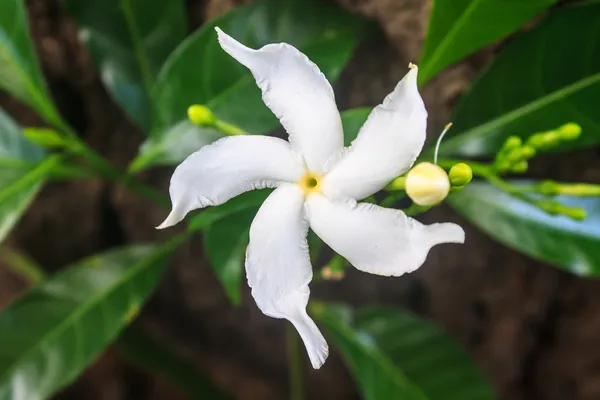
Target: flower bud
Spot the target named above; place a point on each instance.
(520, 167)
(512, 143)
(460, 174)
(523, 153)
(570, 131)
(201, 115)
(427, 184)
(548, 188)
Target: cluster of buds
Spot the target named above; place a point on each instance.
(428, 184)
(515, 154)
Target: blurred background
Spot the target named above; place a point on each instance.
(533, 330)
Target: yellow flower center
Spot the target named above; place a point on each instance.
(310, 183)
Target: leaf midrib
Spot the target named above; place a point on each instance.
(453, 143)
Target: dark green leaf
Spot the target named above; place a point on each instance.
(539, 82)
(129, 40)
(225, 243)
(19, 71)
(558, 240)
(352, 121)
(395, 355)
(49, 335)
(150, 355)
(458, 28)
(200, 72)
(211, 215)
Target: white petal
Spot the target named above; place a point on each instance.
(278, 266)
(299, 95)
(229, 167)
(374, 239)
(386, 146)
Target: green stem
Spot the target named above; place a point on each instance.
(295, 363)
(22, 266)
(229, 129)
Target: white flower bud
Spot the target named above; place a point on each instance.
(427, 184)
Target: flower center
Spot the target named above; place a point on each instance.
(310, 183)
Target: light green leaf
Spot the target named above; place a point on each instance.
(539, 82)
(129, 40)
(395, 355)
(559, 240)
(19, 70)
(49, 335)
(150, 355)
(458, 28)
(200, 72)
(225, 243)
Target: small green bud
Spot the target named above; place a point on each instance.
(512, 143)
(548, 188)
(503, 165)
(520, 167)
(537, 141)
(523, 153)
(455, 189)
(44, 137)
(550, 206)
(460, 174)
(570, 131)
(397, 184)
(201, 115)
(576, 213)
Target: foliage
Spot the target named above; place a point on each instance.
(537, 95)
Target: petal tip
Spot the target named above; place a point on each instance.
(172, 219)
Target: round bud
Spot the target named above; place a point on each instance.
(427, 184)
(460, 174)
(570, 131)
(548, 188)
(576, 213)
(520, 167)
(201, 115)
(513, 142)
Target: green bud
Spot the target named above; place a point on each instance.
(523, 153)
(44, 137)
(455, 189)
(537, 141)
(502, 165)
(548, 188)
(201, 115)
(397, 184)
(520, 167)
(575, 213)
(460, 174)
(550, 206)
(512, 143)
(570, 131)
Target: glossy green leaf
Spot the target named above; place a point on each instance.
(225, 243)
(129, 41)
(49, 335)
(200, 72)
(559, 240)
(395, 355)
(353, 120)
(458, 28)
(19, 70)
(539, 82)
(150, 355)
(20, 176)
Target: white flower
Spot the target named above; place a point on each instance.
(317, 181)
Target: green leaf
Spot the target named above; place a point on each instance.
(211, 215)
(54, 331)
(395, 355)
(200, 72)
(225, 243)
(150, 355)
(13, 144)
(539, 82)
(353, 120)
(129, 41)
(458, 28)
(559, 240)
(19, 70)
